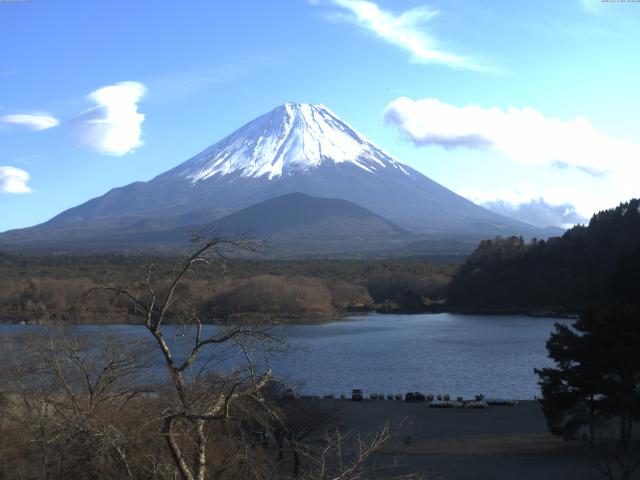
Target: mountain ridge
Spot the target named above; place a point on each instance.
(294, 148)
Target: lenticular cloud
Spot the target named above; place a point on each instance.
(114, 125)
(13, 180)
(33, 121)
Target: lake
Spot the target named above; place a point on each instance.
(434, 353)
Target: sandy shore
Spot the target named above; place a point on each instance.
(509, 442)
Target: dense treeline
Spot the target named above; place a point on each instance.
(56, 287)
(585, 266)
(592, 392)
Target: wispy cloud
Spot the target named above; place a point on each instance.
(406, 30)
(189, 81)
(172, 86)
(538, 212)
(114, 125)
(524, 135)
(594, 172)
(33, 121)
(13, 180)
(543, 207)
(591, 5)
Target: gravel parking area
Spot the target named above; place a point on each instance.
(496, 443)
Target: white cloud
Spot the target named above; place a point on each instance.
(33, 121)
(543, 205)
(538, 212)
(404, 30)
(524, 135)
(113, 126)
(591, 5)
(13, 180)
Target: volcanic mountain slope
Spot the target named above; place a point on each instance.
(296, 215)
(290, 225)
(294, 148)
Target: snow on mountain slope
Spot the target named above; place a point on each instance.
(293, 137)
(295, 148)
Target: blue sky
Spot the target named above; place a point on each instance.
(528, 107)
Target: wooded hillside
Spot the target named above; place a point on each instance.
(587, 265)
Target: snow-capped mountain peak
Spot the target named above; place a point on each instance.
(291, 138)
(296, 149)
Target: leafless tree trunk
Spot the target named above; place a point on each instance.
(64, 393)
(613, 460)
(343, 457)
(73, 400)
(195, 409)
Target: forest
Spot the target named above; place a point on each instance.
(587, 266)
(63, 288)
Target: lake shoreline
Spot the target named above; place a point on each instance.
(247, 320)
(541, 312)
(463, 355)
(253, 319)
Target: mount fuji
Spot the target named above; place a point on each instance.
(295, 148)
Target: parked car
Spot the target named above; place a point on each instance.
(356, 395)
(476, 404)
(501, 402)
(415, 397)
(446, 404)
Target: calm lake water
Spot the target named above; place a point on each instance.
(441, 353)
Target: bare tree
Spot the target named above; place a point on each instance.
(209, 402)
(4, 404)
(78, 408)
(612, 460)
(198, 404)
(300, 427)
(66, 396)
(349, 457)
